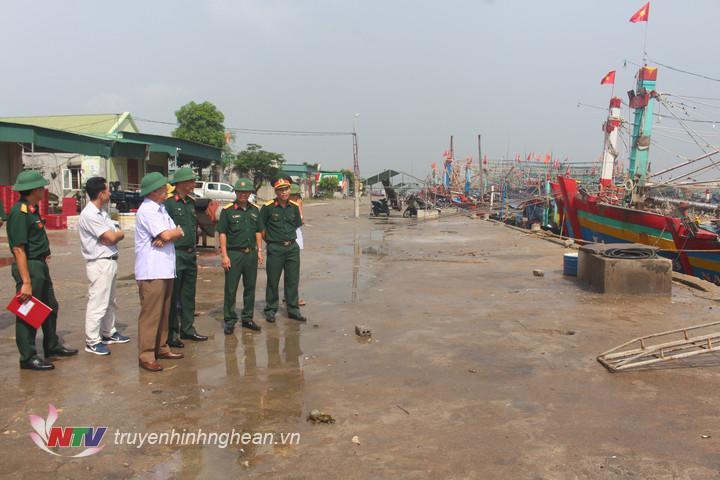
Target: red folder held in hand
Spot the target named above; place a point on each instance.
(33, 311)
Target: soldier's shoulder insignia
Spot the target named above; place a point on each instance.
(24, 208)
(269, 202)
(294, 203)
(253, 204)
(228, 206)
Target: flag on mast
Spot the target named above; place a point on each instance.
(641, 15)
(609, 78)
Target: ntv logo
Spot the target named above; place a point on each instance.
(46, 435)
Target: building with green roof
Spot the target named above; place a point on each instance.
(69, 149)
(93, 124)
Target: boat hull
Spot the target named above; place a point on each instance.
(586, 217)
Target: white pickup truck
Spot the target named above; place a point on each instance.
(214, 191)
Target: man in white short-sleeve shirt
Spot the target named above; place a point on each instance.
(98, 244)
(155, 233)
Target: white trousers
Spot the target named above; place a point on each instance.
(101, 306)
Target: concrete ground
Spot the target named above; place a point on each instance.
(475, 369)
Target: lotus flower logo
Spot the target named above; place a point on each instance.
(46, 435)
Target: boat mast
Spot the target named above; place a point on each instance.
(610, 153)
(642, 100)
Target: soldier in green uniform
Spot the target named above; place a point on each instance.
(30, 246)
(181, 208)
(280, 219)
(241, 250)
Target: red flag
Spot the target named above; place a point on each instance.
(641, 15)
(434, 166)
(609, 78)
(485, 160)
(529, 156)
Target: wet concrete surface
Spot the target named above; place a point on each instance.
(475, 369)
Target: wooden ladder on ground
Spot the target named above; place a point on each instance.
(663, 347)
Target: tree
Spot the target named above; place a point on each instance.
(328, 185)
(201, 123)
(260, 164)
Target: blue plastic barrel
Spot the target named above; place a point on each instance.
(570, 264)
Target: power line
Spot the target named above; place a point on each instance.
(258, 131)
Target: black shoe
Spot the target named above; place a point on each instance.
(299, 318)
(229, 329)
(249, 324)
(36, 364)
(270, 318)
(175, 343)
(195, 337)
(62, 352)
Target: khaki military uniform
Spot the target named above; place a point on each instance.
(26, 228)
(240, 226)
(283, 254)
(182, 309)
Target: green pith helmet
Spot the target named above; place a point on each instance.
(294, 189)
(244, 185)
(29, 180)
(182, 174)
(151, 182)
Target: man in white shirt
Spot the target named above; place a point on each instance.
(155, 233)
(98, 242)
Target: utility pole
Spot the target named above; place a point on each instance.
(356, 173)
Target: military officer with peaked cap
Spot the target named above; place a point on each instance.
(280, 219)
(241, 250)
(30, 246)
(181, 208)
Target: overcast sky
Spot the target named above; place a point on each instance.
(416, 71)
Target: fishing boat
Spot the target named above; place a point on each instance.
(625, 210)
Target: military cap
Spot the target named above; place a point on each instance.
(281, 183)
(244, 185)
(152, 181)
(183, 174)
(29, 180)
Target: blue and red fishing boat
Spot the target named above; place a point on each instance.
(616, 213)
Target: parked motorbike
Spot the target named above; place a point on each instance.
(380, 207)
